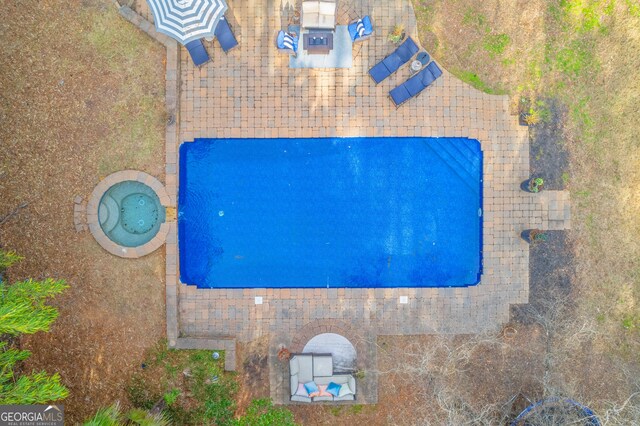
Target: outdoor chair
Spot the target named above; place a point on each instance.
(198, 52)
(287, 43)
(395, 60)
(360, 29)
(416, 84)
(319, 15)
(225, 36)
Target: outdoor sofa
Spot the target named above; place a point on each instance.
(309, 369)
(319, 15)
(416, 84)
(395, 60)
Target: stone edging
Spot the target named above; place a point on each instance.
(228, 345)
(94, 223)
(172, 96)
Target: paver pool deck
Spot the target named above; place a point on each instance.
(251, 92)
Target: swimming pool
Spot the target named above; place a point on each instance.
(330, 212)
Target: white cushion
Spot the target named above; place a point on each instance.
(299, 398)
(323, 366)
(344, 398)
(345, 390)
(305, 368)
(301, 391)
(338, 378)
(294, 383)
(327, 8)
(326, 22)
(310, 7)
(294, 367)
(323, 398)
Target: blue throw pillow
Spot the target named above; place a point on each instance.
(334, 389)
(368, 28)
(311, 387)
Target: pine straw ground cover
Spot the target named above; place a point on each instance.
(81, 96)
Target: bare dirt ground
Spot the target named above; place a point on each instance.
(253, 372)
(81, 96)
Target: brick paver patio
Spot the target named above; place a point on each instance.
(251, 92)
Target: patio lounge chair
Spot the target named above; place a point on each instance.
(360, 29)
(320, 15)
(198, 52)
(391, 63)
(287, 43)
(225, 36)
(416, 84)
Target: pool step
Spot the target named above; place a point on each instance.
(463, 155)
(460, 166)
(463, 146)
(468, 161)
(109, 213)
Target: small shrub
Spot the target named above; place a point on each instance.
(357, 408)
(23, 308)
(171, 397)
(262, 412)
(37, 388)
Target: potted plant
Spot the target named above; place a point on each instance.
(532, 117)
(533, 236)
(397, 34)
(533, 185)
(284, 354)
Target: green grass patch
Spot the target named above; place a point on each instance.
(496, 44)
(194, 389)
(576, 58)
(475, 81)
(192, 384)
(475, 19)
(630, 322)
(565, 178)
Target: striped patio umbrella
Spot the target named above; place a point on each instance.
(187, 20)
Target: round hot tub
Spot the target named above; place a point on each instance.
(130, 213)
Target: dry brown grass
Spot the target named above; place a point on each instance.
(585, 54)
(81, 94)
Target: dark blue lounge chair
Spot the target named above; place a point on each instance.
(225, 36)
(415, 84)
(391, 63)
(198, 52)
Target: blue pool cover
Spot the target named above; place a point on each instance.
(330, 212)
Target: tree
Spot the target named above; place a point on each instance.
(22, 306)
(37, 388)
(113, 416)
(23, 311)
